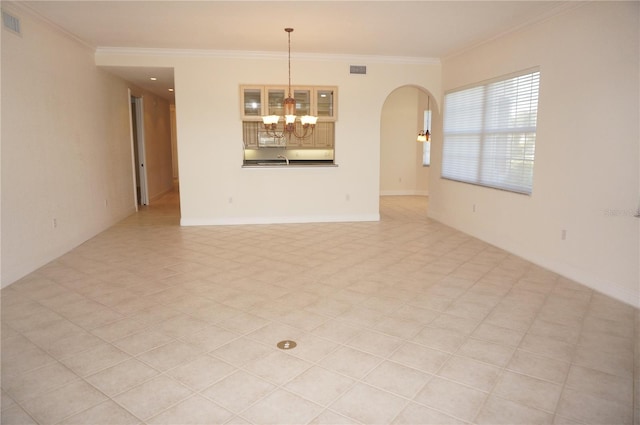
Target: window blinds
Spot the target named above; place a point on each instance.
(490, 133)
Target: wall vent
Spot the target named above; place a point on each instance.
(11, 23)
(358, 69)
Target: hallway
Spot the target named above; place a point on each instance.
(400, 321)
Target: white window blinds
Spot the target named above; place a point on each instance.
(490, 133)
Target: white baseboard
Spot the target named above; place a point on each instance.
(408, 192)
(226, 221)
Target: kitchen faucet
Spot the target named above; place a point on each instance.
(283, 157)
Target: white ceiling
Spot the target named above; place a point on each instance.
(422, 29)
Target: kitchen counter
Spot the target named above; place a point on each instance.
(293, 163)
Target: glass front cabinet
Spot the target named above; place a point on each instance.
(257, 101)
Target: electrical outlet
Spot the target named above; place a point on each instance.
(474, 208)
(55, 223)
(563, 234)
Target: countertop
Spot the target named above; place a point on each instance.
(293, 163)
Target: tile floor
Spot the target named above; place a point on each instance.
(405, 321)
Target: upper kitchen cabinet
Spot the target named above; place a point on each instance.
(252, 102)
(257, 101)
(325, 103)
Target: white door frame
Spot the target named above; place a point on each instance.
(140, 166)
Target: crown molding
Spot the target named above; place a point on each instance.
(244, 54)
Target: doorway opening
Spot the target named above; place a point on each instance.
(138, 148)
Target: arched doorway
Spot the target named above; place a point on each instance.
(403, 170)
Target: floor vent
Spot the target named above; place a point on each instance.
(358, 69)
(11, 23)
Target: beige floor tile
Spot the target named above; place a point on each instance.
(470, 372)
(107, 412)
(202, 372)
(273, 333)
(375, 343)
(6, 401)
(440, 339)
(238, 391)
(243, 323)
(38, 381)
(452, 398)
(588, 409)
(52, 332)
(16, 416)
(369, 405)
(20, 355)
(487, 352)
(419, 357)
(52, 407)
(398, 379)
(155, 315)
(312, 348)
(417, 314)
(119, 329)
(400, 328)
(539, 367)
(277, 367)
(95, 359)
(171, 355)
(72, 344)
(619, 363)
(498, 335)
(211, 338)
(319, 385)
(328, 307)
(282, 407)
(351, 362)
(361, 316)
(195, 410)
(140, 342)
(241, 351)
(600, 384)
(337, 330)
(417, 414)
(121, 377)
(181, 326)
(498, 411)
(529, 391)
(303, 319)
(166, 392)
(328, 417)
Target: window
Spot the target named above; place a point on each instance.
(426, 147)
(490, 132)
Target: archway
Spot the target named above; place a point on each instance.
(402, 169)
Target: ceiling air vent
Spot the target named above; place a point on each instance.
(10, 22)
(358, 69)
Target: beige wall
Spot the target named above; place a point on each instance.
(587, 152)
(214, 189)
(66, 150)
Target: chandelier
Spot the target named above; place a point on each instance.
(425, 136)
(288, 128)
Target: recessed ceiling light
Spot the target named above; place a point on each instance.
(153, 79)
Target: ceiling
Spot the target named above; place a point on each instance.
(420, 29)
